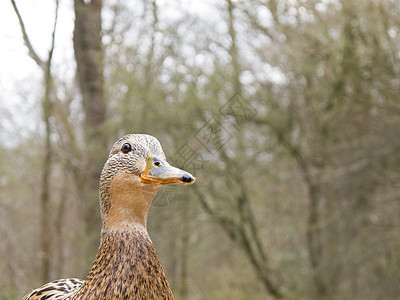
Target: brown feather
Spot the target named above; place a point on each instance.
(130, 260)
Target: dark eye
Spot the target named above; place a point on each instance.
(126, 148)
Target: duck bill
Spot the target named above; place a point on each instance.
(158, 170)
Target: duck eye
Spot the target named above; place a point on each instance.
(126, 148)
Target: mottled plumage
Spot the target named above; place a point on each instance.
(57, 289)
(127, 257)
(126, 265)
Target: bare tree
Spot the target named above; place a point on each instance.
(89, 56)
(240, 221)
(45, 232)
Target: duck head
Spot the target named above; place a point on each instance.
(135, 170)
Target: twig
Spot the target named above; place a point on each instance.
(53, 36)
(32, 52)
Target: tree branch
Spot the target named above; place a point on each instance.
(32, 52)
(53, 36)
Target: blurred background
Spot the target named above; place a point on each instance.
(287, 112)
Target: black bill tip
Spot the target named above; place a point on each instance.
(186, 178)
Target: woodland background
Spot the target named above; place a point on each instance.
(287, 111)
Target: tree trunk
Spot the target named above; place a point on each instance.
(314, 239)
(184, 255)
(45, 194)
(89, 56)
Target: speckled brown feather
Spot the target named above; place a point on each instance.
(57, 289)
(126, 265)
(130, 260)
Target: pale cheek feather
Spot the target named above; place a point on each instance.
(141, 164)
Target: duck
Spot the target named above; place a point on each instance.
(126, 265)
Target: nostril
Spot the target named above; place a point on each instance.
(186, 178)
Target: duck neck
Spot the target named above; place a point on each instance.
(126, 267)
(126, 202)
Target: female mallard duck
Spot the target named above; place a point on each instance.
(126, 265)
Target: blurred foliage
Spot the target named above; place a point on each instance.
(298, 189)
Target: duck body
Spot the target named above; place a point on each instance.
(130, 260)
(126, 265)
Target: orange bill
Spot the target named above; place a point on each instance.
(158, 170)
